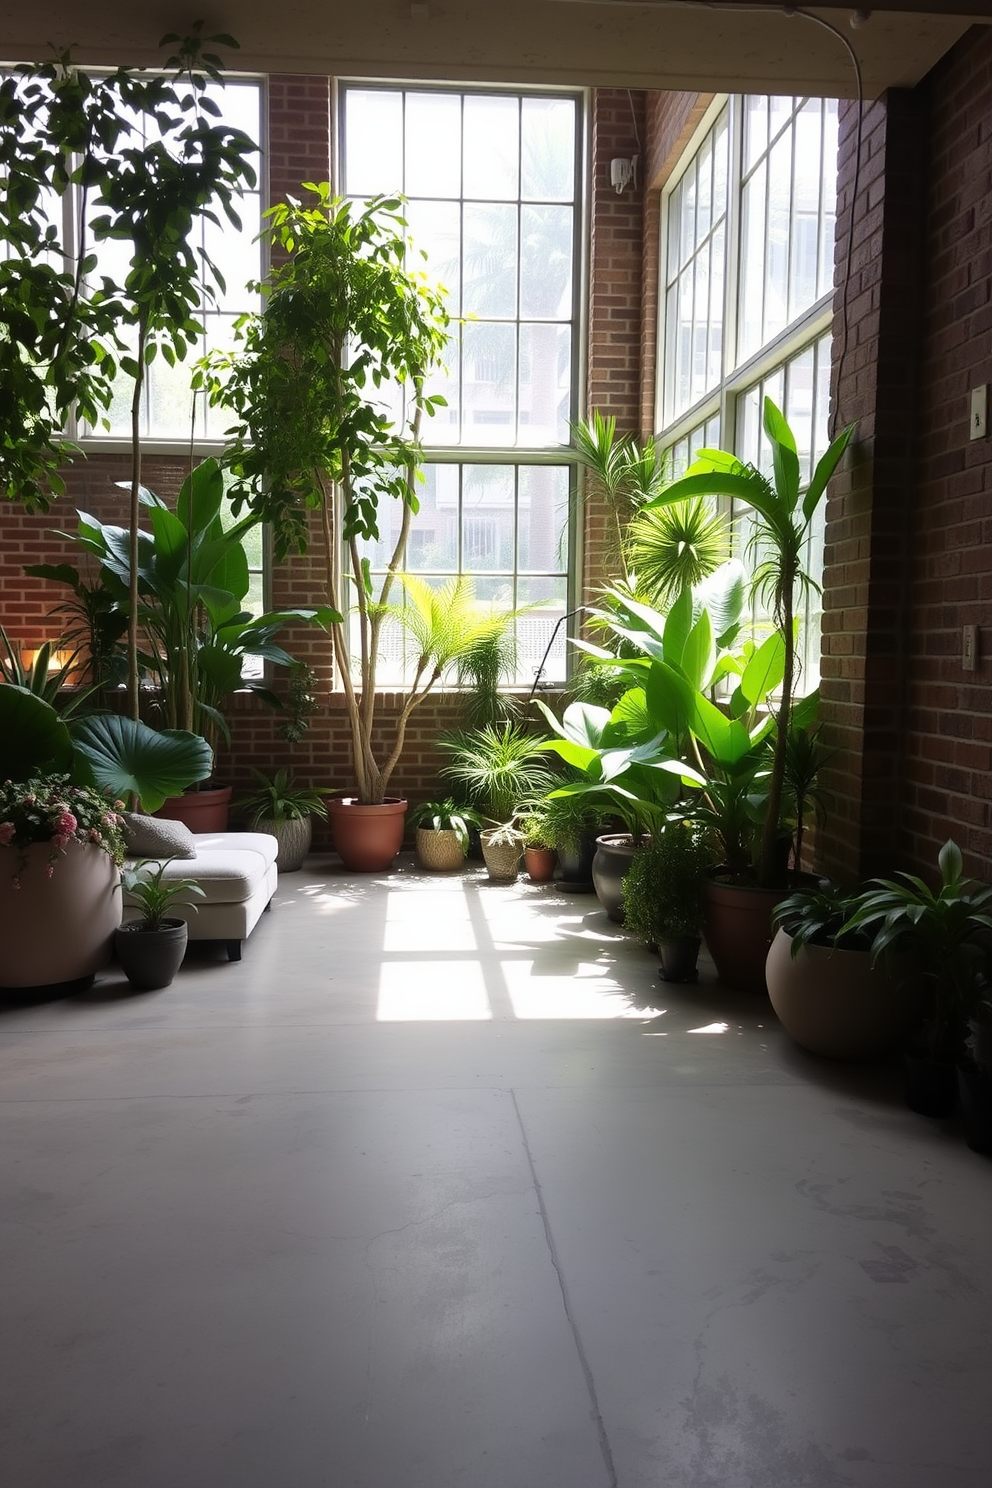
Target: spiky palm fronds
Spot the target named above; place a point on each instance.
(672, 548)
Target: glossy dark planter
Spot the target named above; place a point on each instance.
(576, 866)
(678, 959)
(151, 958)
(931, 1085)
(975, 1096)
(614, 855)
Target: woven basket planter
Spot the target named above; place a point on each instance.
(503, 858)
(439, 851)
(293, 835)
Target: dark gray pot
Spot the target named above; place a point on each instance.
(678, 959)
(151, 958)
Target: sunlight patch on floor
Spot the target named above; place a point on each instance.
(432, 992)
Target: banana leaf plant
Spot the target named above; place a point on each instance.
(784, 508)
(193, 577)
(126, 760)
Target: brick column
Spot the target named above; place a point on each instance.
(869, 514)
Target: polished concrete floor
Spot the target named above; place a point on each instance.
(441, 1188)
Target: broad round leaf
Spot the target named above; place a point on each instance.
(33, 738)
(127, 758)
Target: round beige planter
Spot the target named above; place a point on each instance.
(502, 859)
(439, 851)
(835, 1003)
(57, 929)
(293, 835)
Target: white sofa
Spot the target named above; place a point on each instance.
(237, 873)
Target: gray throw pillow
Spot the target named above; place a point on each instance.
(156, 837)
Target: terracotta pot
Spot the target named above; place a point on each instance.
(58, 929)
(151, 958)
(201, 811)
(439, 851)
(835, 1003)
(738, 931)
(540, 863)
(502, 859)
(614, 855)
(366, 838)
(293, 834)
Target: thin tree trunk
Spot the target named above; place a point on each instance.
(132, 619)
(767, 877)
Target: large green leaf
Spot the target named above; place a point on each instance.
(825, 468)
(126, 758)
(670, 699)
(33, 738)
(201, 497)
(699, 653)
(171, 547)
(765, 670)
(677, 627)
(725, 739)
(784, 455)
(722, 593)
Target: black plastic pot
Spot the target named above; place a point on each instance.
(975, 1095)
(678, 959)
(576, 866)
(931, 1085)
(151, 958)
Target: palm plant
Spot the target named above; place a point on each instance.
(784, 509)
(278, 798)
(498, 767)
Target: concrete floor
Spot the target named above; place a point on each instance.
(440, 1188)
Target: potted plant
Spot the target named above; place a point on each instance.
(663, 895)
(500, 768)
(151, 948)
(947, 934)
(443, 833)
(827, 990)
(285, 810)
(346, 314)
(59, 867)
(572, 824)
(193, 577)
(540, 858)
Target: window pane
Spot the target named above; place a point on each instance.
(373, 142)
(489, 380)
(492, 147)
(542, 523)
(545, 381)
(777, 263)
(490, 260)
(548, 149)
(434, 535)
(755, 129)
(433, 145)
(536, 630)
(546, 262)
(436, 230)
(488, 518)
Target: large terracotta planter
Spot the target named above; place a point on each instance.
(738, 931)
(58, 929)
(835, 1003)
(366, 838)
(614, 855)
(201, 811)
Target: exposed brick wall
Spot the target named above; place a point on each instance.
(299, 135)
(613, 378)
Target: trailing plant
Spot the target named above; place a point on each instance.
(301, 701)
(49, 808)
(345, 315)
(279, 799)
(157, 897)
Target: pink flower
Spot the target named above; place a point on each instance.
(94, 835)
(7, 830)
(59, 840)
(49, 870)
(66, 824)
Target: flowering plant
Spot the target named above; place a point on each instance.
(48, 808)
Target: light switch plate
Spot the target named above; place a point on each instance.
(969, 648)
(979, 412)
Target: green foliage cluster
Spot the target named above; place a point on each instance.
(157, 896)
(663, 889)
(49, 808)
(279, 798)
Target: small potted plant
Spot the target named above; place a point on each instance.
(947, 935)
(285, 810)
(499, 767)
(443, 833)
(540, 857)
(663, 895)
(151, 948)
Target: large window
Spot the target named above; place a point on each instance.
(491, 181)
(748, 267)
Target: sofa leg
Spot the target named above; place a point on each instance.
(234, 950)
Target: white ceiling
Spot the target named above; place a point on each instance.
(691, 44)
